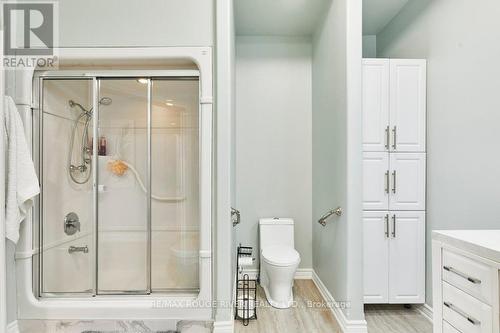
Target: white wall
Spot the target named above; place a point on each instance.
(370, 46)
(337, 137)
(460, 40)
(93, 23)
(273, 136)
(225, 258)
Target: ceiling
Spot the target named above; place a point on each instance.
(377, 13)
(277, 17)
(300, 17)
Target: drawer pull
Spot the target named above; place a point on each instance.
(387, 137)
(387, 182)
(470, 319)
(465, 276)
(386, 225)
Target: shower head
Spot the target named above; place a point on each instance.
(102, 101)
(72, 104)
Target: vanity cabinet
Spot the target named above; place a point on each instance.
(465, 281)
(394, 257)
(394, 180)
(394, 105)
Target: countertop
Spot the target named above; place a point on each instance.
(484, 243)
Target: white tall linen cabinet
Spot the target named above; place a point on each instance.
(394, 180)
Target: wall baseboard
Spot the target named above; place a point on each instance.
(300, 274)
(346, 325)
(12, 327)
(223, 327)
(426, 311)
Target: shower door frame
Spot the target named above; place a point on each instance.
(154, 306)
(95, 78)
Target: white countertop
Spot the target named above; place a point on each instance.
(484, 243)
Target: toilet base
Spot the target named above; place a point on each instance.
(278, 305)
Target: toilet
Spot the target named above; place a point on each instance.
(278, 260)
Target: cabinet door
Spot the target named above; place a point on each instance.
(375, 104)
(407, 178)
(375, 181)
(376, 256)
(407, 257)
(407, 105)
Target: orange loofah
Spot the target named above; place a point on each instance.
(117, 167)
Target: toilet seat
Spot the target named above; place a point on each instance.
(279, 255)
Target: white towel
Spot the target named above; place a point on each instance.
(21, 183)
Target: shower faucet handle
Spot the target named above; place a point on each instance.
(71, 224)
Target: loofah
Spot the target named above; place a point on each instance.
(117, 167)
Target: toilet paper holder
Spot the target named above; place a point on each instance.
(244, 258)
(246, 288)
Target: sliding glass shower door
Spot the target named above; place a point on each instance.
(120, 203)
(66, 232)
(123, 187)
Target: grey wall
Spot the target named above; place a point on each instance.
(273, 136)
(370, 46)
(337, 247)
(460, 40)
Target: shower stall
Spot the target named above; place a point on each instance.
(119, 162)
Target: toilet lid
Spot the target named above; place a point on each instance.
(280, 255)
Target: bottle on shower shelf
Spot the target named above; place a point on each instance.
(102, 146)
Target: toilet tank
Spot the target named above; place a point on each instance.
(275, 231)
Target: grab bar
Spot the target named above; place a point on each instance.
(337, 211)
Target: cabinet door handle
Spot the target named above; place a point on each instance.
(394, 133)
(462, 313)
(386, 225)
(387, 137)
(462, 275)
(387, 181)
(394, 226)
(394, 181)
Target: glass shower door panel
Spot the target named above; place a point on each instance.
(66, 229)
(175, 184)
(123, 260)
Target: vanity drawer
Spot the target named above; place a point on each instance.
(466, 313)
(447, 328)
(471, 276)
